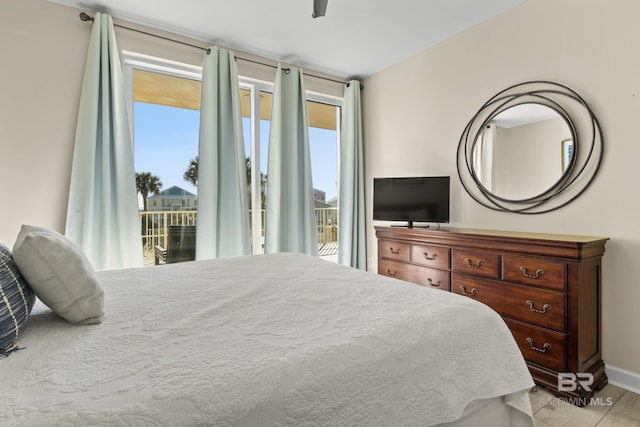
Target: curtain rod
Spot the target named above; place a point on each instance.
(85, 18)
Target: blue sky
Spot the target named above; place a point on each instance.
(166, 139)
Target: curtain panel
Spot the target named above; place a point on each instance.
(290, 207)
(102, 213)
(223, 213)
(351, 213)
(484, 157)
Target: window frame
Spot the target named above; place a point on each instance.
(135, 61)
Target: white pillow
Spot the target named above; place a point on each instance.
(60, 274)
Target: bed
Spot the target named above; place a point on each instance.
(267, 340)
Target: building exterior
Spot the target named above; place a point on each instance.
(319, 196)
(173, 199)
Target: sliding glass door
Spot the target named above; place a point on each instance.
(165, 101)
(323, 139)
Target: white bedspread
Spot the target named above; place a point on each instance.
(269, 340)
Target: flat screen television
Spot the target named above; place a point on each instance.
(413, 199)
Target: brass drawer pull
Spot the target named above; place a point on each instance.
(396, 252)
(476, 265)
(545, 307)
(546, 346)
(434, 284)
(539, 272)
(390, 273)
(473, 292)
(430, 258)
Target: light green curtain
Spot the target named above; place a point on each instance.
(102, 214)
(223, 214)
(290, 214)
(352, 245)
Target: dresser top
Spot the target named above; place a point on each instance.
(523, 235)
(562, 245)
(498, 233)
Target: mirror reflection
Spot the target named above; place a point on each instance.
(522, 152)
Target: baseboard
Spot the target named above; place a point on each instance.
(624, 379)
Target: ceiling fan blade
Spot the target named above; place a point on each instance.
(319, 8)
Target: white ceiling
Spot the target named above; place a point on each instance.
(356, 38)
(524, 114)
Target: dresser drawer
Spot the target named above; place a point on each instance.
(429, 277)
(534, 271)
(541, 346)
(430, 256)
(432, 278)
(477, 263)
(532, 305)
(396, 270)
(398, 251)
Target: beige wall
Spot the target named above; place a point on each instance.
(43, 47)
(415, 112)
(528, 158)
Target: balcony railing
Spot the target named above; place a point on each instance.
(154, 226)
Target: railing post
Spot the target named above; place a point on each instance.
(165, 229)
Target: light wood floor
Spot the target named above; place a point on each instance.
(613, 407)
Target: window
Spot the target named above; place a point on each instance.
(256, 120)
(165, 100)
(323, 141)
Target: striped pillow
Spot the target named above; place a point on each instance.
(16, 301)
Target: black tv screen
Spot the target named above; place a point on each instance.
(417, 199)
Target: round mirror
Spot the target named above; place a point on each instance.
(530, 149)
(521, 152)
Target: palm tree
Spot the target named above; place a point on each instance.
(147, 183)
(191, 176)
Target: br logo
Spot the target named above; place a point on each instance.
(568, 381)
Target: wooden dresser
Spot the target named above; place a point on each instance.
(546, 287)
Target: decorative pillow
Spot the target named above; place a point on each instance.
(60, 274)
(16, 301)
